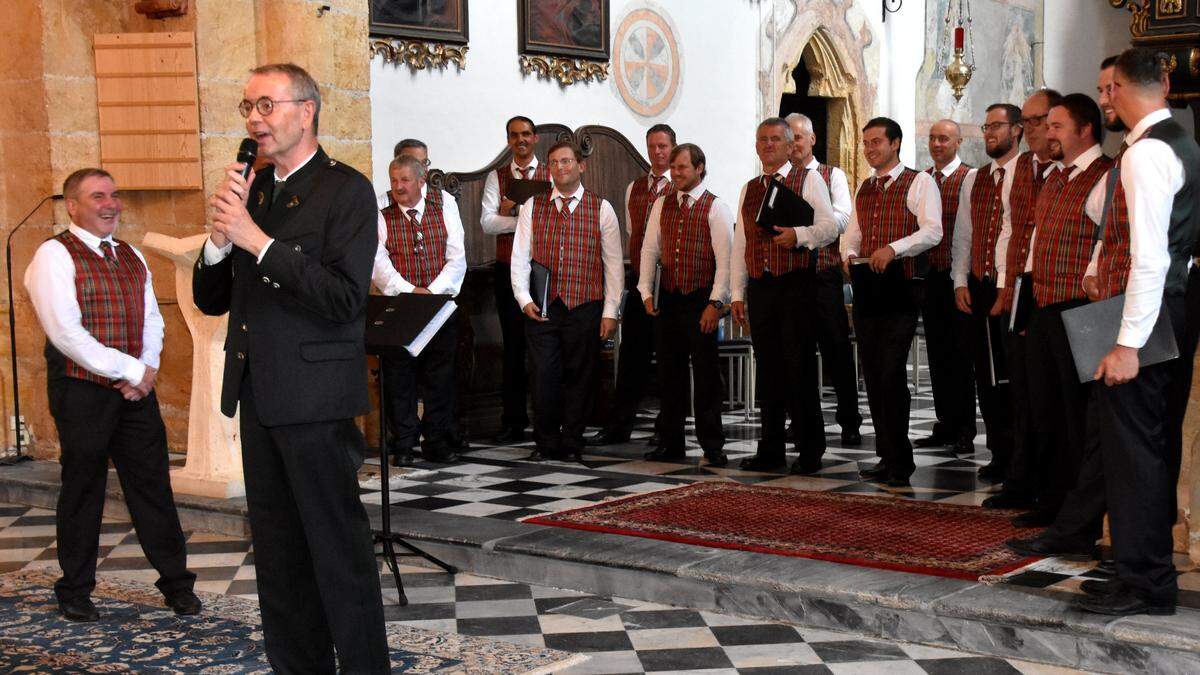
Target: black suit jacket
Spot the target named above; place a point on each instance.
(297, 318)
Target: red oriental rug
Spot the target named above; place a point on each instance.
(948, 540)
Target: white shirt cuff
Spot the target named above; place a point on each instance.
(263, 252)
(213, 254)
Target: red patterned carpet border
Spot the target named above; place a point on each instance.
(948, 540)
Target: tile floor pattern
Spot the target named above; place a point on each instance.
(620, 635)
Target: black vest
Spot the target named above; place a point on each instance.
(1183, 236)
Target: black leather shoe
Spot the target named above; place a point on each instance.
(607, 437)
(510, 437)
(851, 437)
(184, 603)
(757, 463)
(1036, 518)
(1101, 587)
(541, 455)
(1107, 569)
(931, 441)
(1047, 547)
(444, 456)
(963, 446)
(664, 455)
(653, 441)
(805, 467)
(1007, 500)
(401, 457)
(78, 609)
(716, 459)
(1123, 603)
(897, 481)
(991, 473)
(877, 472)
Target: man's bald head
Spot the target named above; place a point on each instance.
(945, 138)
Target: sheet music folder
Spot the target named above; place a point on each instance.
(782, 208)
(539, 286)
(873, 290)
(1022, 304)
(405, 322)
(1092, 331)
(520, 189)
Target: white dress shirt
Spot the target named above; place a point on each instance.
(214, 255)
(1042, 166)
(611, 255)
(448, 282)
(1094, 206)
(490, 219)
(720, 231)
(924, 200)
(839, 194)
(651, 180)
(50, 280)
(823, 231)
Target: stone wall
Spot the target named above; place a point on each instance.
(48, 128)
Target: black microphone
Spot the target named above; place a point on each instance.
(247, 153)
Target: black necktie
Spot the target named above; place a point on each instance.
(278, 189)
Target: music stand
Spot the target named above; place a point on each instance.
(379, 315)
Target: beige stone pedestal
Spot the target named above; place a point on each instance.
(214, 447)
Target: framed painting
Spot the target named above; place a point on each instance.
(435, 20)
(572, 28)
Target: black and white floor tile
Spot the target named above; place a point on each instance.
(620, 635)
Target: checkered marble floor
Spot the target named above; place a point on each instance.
(619, 634)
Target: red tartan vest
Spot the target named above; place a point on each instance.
(418, 252)
(762, 254)
(570, 248)
(950, 187)
(883, 216)
(828, 256)
(1027, 184)
(641, 198)
(987, 219)
(1065, 235)
(112, 300)
(1115, 255)
(685, 242)
(504, 242)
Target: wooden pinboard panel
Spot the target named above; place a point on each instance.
(149, 110)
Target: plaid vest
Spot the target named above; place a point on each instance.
(951, 189)
(883, 216)
(641, 198)
(762, 253)
(504, 242)
(417, 250)
(569, 246)
(685, 242)
(1065, 235)
(1027, 184)
(987, 219)
(829, 255)
(1115, 255)
(112, 300)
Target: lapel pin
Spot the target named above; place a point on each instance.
(261, 198)
(294, 202)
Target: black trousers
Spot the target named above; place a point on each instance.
(885, 335)
(429, 376)
(1058, 406)
(1022, 465)
(679, 339)
(786, 363)
(833, 339)
(1140, 469)
(318, 585)
(950, 368)
(514, 392)
(995, 400)
(633, 363)
(565, 353)
(95, 424)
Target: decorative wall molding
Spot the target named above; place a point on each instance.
(1141, 14)
(566, 71)
(419, 55)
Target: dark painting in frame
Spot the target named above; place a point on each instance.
(435, 20)
(572, 28)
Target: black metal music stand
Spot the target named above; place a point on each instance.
(379, 315)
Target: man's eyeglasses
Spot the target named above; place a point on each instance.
(995, 126)
(1035, 120)
(265, 105)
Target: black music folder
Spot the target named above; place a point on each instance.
(539, 286)
(782, 208)
(405, 322)
(874, 290)
(658, 272)
(520, 190)
(1022, 304)
(997, 357)
(1092, 331)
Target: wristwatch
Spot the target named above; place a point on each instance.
(716, 304)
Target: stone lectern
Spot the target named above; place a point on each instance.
(214, 450)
